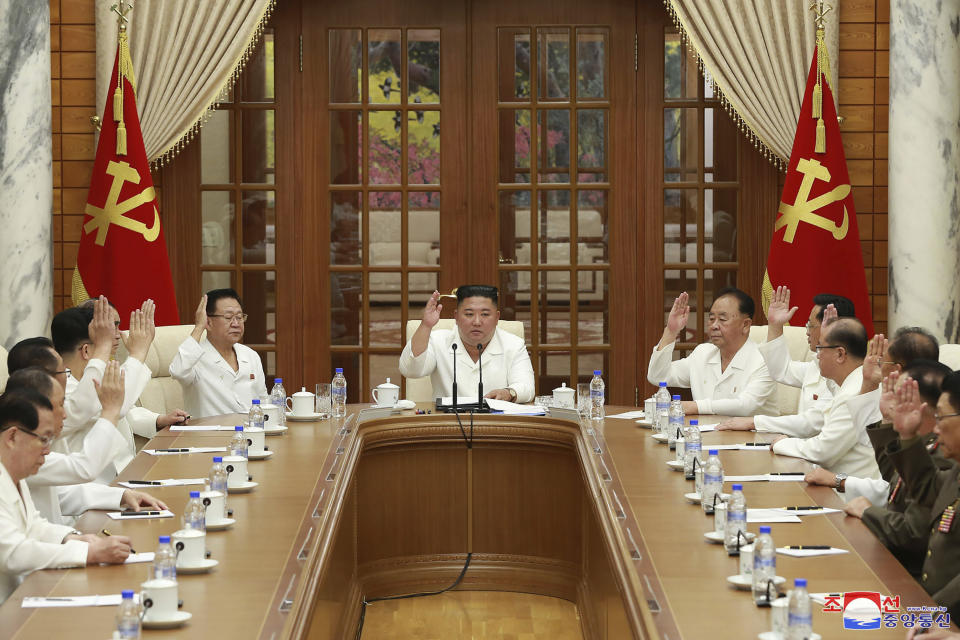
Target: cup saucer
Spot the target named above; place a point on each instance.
(263, 455)
(307, 417)
(405, 404)
(205, 565)
(694, 497)
(676, 465)
(226, 523)
(746, 582)
(643, 422)
(660, 437)
(278, 429)
(716, 537)
(246, 487)
(177, 619)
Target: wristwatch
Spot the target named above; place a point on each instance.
(513, 394)
(838, 481)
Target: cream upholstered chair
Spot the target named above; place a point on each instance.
(421, 389)
(950, 355)
(3, 368)
(163, 393)
(788, 398)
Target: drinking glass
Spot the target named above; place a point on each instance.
(583, 399)
(323, 400)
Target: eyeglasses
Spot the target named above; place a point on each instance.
(828, 346)
(242, 317)
(66, 372)
(938, 418)
(811, 325)
(45, 441)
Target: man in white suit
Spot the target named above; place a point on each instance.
(29, 542)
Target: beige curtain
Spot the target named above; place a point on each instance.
(758, 54)
(186, 55)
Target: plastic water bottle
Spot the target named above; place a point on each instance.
(799, 617)
(218, 481)
(128, 617)
(764, 568)
(675, 421)
(712, 482)
(238, 443)
(692, 449)
(597, 393)
(195, 514)
(680, 447)
(338, 389)
(278, 397)
(736, 521)
(663, 408)
(255, 417)
(165, 560)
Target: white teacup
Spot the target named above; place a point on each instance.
(720, 517)
(386, 394)
(216, 504)
(302, 403)
(564, 396)
(746, 561)
(778, 617)
(256, 440)
(649, 409)
(236, 467)
(191, 547)
(271, 415)
(159, 598)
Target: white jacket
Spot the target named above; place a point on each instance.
(506, 364)
(210, 386)
(27, 541)
(816, 392)
(743, 389)
(841, 445)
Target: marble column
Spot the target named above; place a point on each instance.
(26, 177)
(924, 166)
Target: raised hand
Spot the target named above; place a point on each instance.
(677, 320)
(142, 331)
(888, 396)
(872, 377)
(101, 329)
(431, 312)
(908, 415)
(780, 312)
(829, 316)
(111, 391)
(200, 319)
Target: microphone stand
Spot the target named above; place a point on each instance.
(480, 401)
(454, 346)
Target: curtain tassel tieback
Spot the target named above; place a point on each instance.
(820, 145)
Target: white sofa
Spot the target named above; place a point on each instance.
(163, 393)
(950, 355)
(3, 368)
(421, 389)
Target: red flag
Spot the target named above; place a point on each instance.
(816, 244)
(122, 252)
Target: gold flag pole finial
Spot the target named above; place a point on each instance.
(820, 10)
(124, 69)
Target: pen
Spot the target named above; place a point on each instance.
(156, 483)
(787, 473)
(802, 508)
(809, 546)
(107, 533)
(56, 599)
(134, 514)
(756, 444)
(174, 450)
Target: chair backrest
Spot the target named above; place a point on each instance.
(162, 394)
(950, 355)
(3, 369)
(788, 398)
(421, 389)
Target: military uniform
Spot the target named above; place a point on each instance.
(939, 491)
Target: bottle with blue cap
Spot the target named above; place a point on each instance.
(164, 560)
(692, 449)
(195, 514)
(799, 614)
(675, 421)
(712, 482)
(238, 443)
(735, 535)
(218, 481)
(663, 408)
(338, 389)
(255, 417)
(597, 396)
(128, 617)
(278, 397)
(764, 568)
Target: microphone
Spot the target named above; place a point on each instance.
(480, 401)
(454, 346)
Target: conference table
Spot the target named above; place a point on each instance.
(379, 503)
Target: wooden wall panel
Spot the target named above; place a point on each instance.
(862, 90)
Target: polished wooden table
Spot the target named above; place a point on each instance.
(265, 558)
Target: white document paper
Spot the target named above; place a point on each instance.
(31, 602)
(629, 415)
(150, 515)
(809, 553)
(169, 482)
(200, 427)
(760, 478)
(807, 512)
(770, 515)
(788, 478)
(514, 409)
(183, 450)
(712, 426)
(133, 558)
